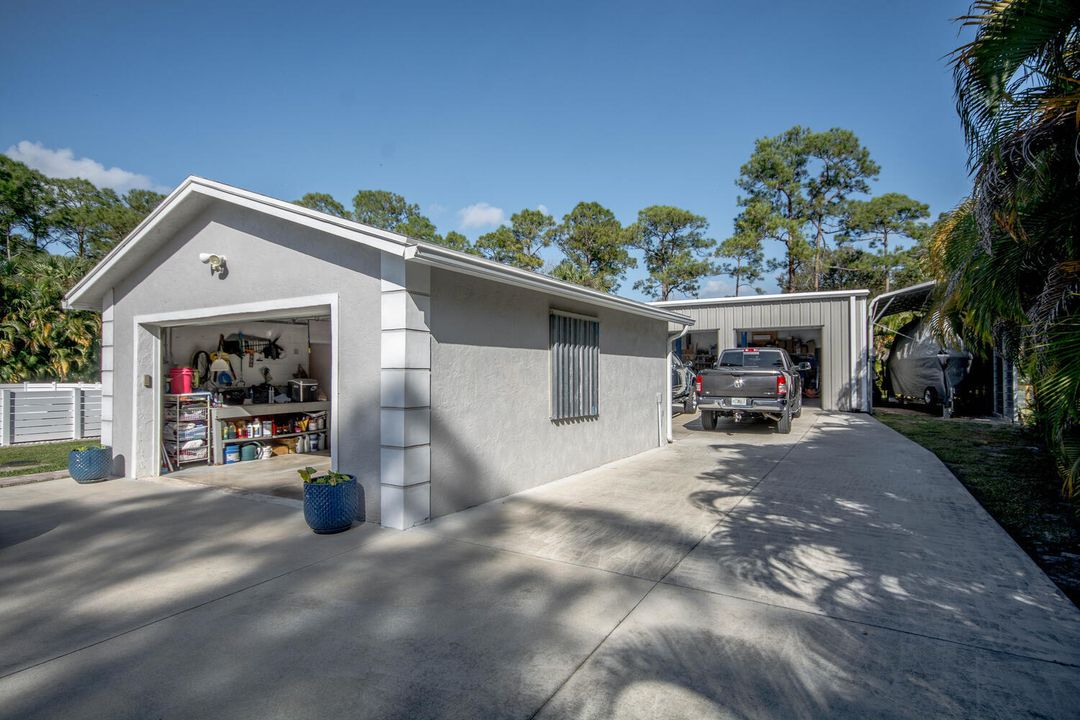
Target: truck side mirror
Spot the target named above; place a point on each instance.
(804, 366)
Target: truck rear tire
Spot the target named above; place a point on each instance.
(798, 412)
(708, 420)
(783, 425)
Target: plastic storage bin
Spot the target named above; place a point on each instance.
(181, 380)
(304, 390)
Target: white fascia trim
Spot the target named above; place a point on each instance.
(823, 295)
(379, 239)
(72, 300)
(436, 256)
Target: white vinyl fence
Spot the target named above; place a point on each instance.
(36, 412)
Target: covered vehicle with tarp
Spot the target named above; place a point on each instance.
(925, 366)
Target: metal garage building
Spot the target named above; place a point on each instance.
(829, 326)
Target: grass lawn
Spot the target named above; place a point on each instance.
(1010, 472)
(43, 457)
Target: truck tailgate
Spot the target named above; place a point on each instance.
(739, 383)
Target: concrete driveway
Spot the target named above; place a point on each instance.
(838, 571)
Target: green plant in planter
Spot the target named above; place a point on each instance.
(90, 463)
(330, 478)
(332, 501)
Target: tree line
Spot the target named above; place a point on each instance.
(802, 190)
(40, 214)
(54, 230)
(595, 246)
(806, 191)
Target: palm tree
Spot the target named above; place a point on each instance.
(1008, 256)
(39, 340)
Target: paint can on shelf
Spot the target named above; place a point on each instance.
(232, 454)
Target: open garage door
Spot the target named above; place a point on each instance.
(245, 399)
(802, 344)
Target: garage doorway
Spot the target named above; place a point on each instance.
(242, 396)
(698, 349)
(803, 344)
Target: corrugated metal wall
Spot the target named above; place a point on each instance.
(843, 354)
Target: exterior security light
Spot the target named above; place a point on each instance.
(216, 262)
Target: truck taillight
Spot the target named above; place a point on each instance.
(697, 384)
(781, 385)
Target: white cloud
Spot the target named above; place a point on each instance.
(436, 209)
(62, 163)
(543, 208)
(716, 287)
(481, 215)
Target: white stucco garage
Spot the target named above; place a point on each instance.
(452, 379)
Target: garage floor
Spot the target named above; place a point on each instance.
(274, 476)
(839, 571)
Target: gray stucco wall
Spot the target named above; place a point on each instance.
(268, 259)
(491, 433)
(840, 378)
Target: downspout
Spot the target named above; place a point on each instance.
(853, 331)
(672, 337)
(871, 359)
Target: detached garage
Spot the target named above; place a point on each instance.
(827, 329)
(440, 379)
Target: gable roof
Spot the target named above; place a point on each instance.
(195, 194)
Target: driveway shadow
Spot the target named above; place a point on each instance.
(17, 526)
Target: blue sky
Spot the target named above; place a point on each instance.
(508, 104)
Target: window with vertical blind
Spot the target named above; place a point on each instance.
(575, 366)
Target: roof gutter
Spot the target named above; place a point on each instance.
(873, 312)
(741, 299)
(437, 256)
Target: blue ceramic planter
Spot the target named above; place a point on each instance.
(332, 508)
(90, 465)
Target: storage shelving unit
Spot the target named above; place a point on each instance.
(227, 413)
(185, 420)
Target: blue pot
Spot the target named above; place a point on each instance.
(332, 508)
(90, 465)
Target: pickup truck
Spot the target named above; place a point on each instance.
(761, 382)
